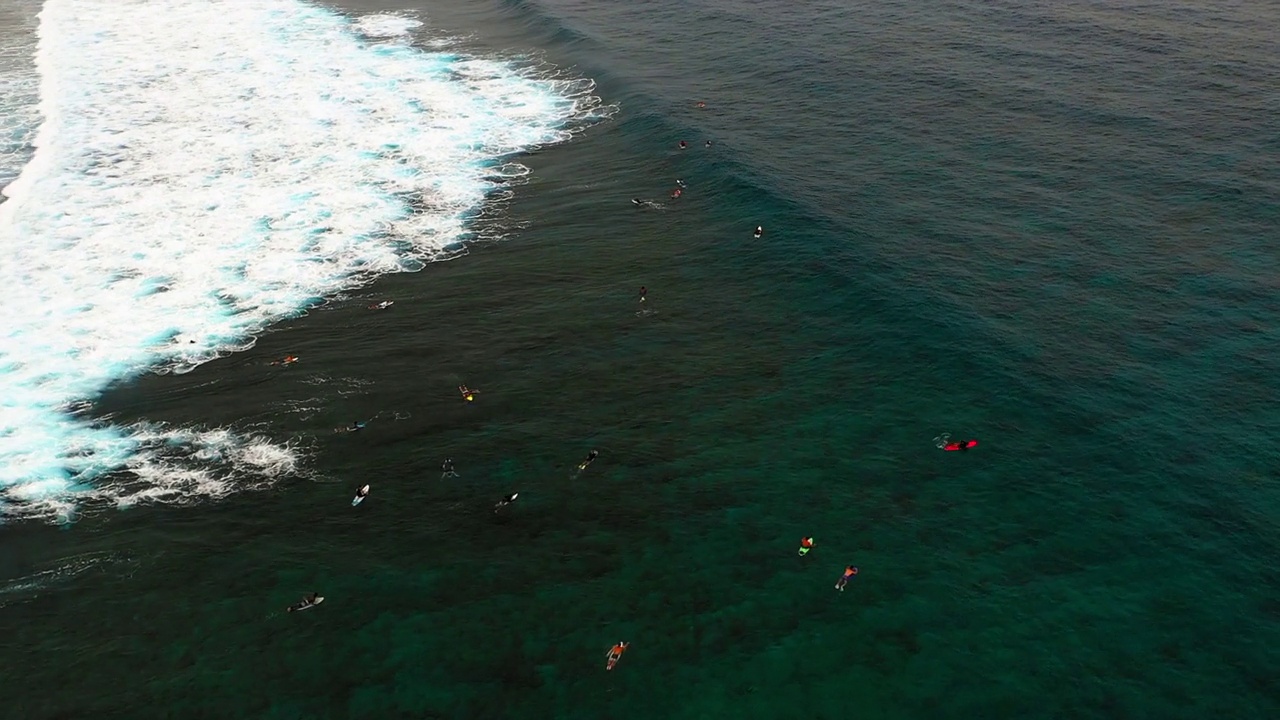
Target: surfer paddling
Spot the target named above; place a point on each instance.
(308, 601)
(614, 655)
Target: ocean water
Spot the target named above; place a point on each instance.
(1048, 226)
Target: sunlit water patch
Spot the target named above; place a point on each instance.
(203, 170)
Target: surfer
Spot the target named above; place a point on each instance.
(759, 231)
(590, 457)
(382, 305)
(615, 653)
(676, 193)
(356, 425)
(306, 602)
(446, 469)
(286, 360)
(708, 143)
(362, 492)
(506, 501)
(961, 445)
(849, 572)
(467, 393)
(681, 183)
(701, 105)
(643, 203)
(643, 291)
(683, 145)
(806, 544)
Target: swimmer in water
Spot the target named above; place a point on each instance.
(849, 572)
(307, 601)
(683, 145)
(676, 193)
(615, 654)
(701, 104)
(506, 501)
(759, 231)
(446, 469)
(806, 544)
(708, 143)
(590, 457)
(467, 393)
(643, 292)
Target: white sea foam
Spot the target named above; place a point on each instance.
(64, 570)
(206, 168)
(386, 25)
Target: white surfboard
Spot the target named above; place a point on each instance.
(360, 498)
(314, 603)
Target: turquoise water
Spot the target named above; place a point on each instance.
(1047, 226)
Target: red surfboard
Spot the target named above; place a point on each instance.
(953, 446)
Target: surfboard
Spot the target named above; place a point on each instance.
(360, 498)
(299, 607)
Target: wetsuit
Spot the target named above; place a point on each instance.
(849, 572)
(806, 544)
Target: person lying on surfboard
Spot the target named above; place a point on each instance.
(806, 544)
(506, 501)
(615, 653)
(849, 572)
(307, 601)
(591, 456)
(961, 445)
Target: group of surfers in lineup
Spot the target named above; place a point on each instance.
(681, 185)
(448, 470)
(468, 394)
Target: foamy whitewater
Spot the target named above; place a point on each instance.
(203, 170)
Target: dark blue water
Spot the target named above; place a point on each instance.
(1049, 226)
